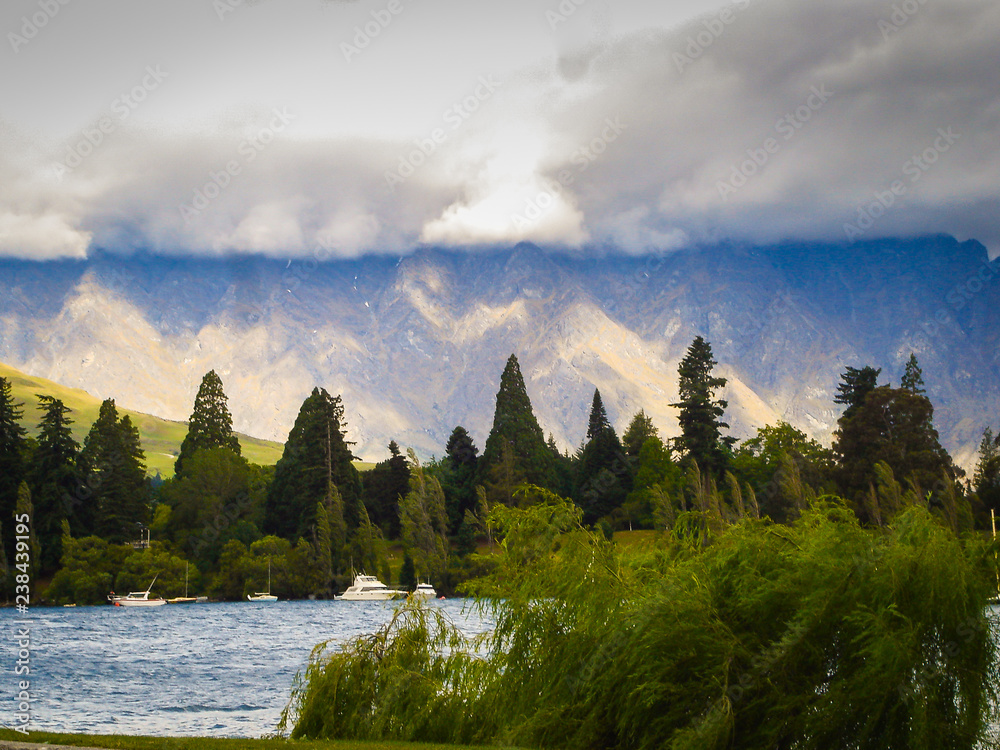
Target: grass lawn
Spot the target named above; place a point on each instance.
(123, 742)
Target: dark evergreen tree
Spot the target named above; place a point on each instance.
(12, 469)
(113, 466)
(639, 430)
(913, 377)
(458, 478)
(855, 385)
(210, 425)
(700, 412)
(408, 573)
(563, 469)
(894, 426)
(603, 478)
(316, 456)
(382, 487)
(514, 424)
(54, 479)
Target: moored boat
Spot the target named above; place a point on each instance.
(369, 589)
(137, 598)
(424, 590)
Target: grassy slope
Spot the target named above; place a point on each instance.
(161, 438)
(205, 743)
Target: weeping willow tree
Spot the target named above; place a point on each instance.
(816, 635)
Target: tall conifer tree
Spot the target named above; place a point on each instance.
(210, 425)
(54, 478)
(700, 412)
(316, 455)
(913, 377)
(112, 463)
(514, 424)
(603, 480)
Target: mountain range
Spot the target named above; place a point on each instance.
(415, 345)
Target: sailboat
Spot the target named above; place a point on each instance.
(183, 599)
(265, 596)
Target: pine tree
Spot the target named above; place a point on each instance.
(210, 425)
(514, 424)
(383, 485)
(603, 479)
(639, 430)
(12, 469)
(54, 479)
(458, 477)
(112, 464)
(700, 413)
(913, 377)
(315, 456)
(854, 387)
(894, 426)
(408, 573)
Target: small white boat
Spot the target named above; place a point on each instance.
(369, 589)
(425, 590)
(137, 598)
(264, 596)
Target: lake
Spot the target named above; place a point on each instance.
(220, 669)
(213, 669)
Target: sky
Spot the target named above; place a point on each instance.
(312, 128)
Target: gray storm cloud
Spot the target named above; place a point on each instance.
(760, 122)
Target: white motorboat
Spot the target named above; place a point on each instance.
(425, 590)
(137, 598)
(264, 596)
(369, 589)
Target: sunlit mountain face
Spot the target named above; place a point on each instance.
(416, 344)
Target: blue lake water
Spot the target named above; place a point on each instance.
(221, 669)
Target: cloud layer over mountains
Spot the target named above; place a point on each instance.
(339, 129)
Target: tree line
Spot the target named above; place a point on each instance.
(313, 518)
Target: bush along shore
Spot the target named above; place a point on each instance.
(817, 634)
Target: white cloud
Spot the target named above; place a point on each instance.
(44, 237)
(739, 108)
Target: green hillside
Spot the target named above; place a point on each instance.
(161, 438)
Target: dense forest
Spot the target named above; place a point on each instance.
(222, 522)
